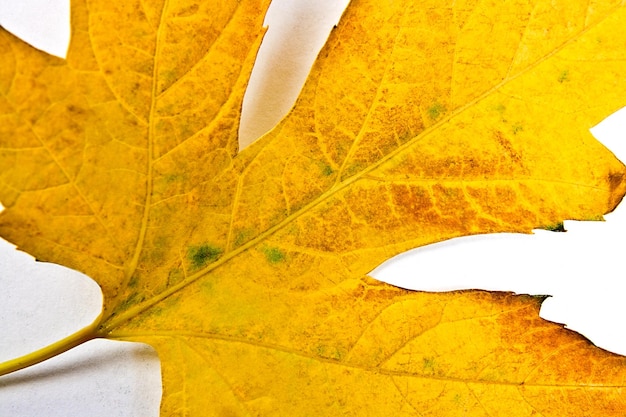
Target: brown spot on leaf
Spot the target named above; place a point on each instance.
(412, 202)
(75, 110)
(617, 186)
(188, 11)
(615, 179)
(507, 146)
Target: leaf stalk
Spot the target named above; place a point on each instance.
(83, 335)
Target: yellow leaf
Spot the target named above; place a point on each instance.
(247, 270)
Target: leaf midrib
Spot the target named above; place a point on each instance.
(131, 267)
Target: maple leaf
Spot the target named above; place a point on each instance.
(419, 122)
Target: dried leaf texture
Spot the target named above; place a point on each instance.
(368, 348)
(83, 141)
(420, 122)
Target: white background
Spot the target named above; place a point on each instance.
(582, 269)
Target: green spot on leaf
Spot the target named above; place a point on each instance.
(202, 255)
(207, 287)
(133, 281)
(564, 76)
(556, 227)
(173, 177)
(242, 236)
(327, 171)
(429, 364)
(435, 111)
(274, 255)
(329, 352)
(169, 76)
(352, 170)
(129, 302)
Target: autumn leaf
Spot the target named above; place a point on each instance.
(246, 270)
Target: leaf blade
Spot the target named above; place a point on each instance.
(232, 251)
(441, 359)
(115, 144)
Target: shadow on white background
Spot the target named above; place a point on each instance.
(582, 269)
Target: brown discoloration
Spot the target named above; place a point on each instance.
(455, 213)
(412, 202)
(617, 186)
(509, 151)
(329, 232)
(615, 179)
(75, 110)
(380, 215)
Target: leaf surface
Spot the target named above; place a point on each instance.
(247, 270)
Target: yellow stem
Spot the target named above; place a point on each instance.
(83, 335)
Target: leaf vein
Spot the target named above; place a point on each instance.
(129, 335)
